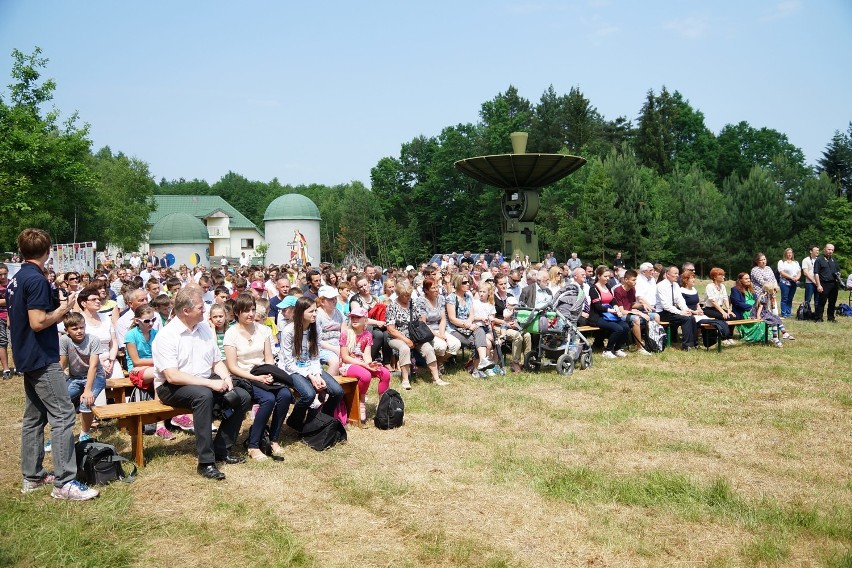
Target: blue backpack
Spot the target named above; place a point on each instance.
(844, 310)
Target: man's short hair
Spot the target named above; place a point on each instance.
(161, 301)
(185, 299)
(222, 290)
(630, 273)
(33, 243)
(646, 266)
(151, 281)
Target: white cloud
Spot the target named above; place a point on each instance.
(784, 9)
(689, 27)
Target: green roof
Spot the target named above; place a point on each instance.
(291, 206)
(178, 229)
(199, 206)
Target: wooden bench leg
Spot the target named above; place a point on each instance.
(352, 398)
(133, 425)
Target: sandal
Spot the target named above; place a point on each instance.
(256, 454)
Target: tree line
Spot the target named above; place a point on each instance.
(664, 189)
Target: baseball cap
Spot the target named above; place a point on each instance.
(257, 285)
(327, 292)
(287, 302)
(357, 311)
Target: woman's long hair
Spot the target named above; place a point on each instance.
(739, 284)
(302, 305)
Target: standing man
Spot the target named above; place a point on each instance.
(190, 373)
(33, 315)
(810, 279)
(574, 262)
(827, 275)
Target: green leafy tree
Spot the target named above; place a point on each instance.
(741, 147)
(123, 201)
(760, 216)
(836, 162)
(506, 113)
(45, 175)
(671, 133)
(700, 217)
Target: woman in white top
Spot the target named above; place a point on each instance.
(716, 302)
(100, 325)
(248, 355)
(789, 271)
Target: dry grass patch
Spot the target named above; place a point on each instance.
(682, 459)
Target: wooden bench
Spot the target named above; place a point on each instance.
(118, 389)
(708, 328)
(590, 328)
(132, 416)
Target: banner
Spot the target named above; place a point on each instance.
(79, 257)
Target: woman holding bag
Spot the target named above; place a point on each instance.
(248, 355)
(400, 314)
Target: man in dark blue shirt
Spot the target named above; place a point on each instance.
(33, 315)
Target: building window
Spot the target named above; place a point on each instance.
(247, 243)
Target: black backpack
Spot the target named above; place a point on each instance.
(804, 312)
(100, 464)
(390, 412)
(322, 432)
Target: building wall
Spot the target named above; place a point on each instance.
(280, 233)
(237, 235)
(183, 253)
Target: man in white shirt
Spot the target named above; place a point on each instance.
(133, 299)
(810, 278)
(135, 261)
(646, 288)
(146, 274)
(190, 373)
(672, 308)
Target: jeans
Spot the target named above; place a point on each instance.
(618, 333)
(76, 386)
(201, 400)
(270, 403)
(787, 293)
(811, 292)
(307, 393)
(46, 400)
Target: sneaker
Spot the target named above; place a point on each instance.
(643, 351)
(47, 446)
(620, 353)
(183, 421)
(608, 355)
(84, 436)
(478, 375)
(7, 374)
(485, 364)
(777, 343)
(729, 342)
(74, 491)
(406, 384)
(788, 336)
(489, 372)
(440, 382)
(499, 370)
(164, 433)
(29, 486)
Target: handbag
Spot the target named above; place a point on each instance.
(418, 332)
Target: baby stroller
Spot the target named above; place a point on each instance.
(556, 341)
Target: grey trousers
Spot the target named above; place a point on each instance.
(47, 401)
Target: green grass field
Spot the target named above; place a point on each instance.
(682, 459)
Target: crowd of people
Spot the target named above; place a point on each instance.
(227, 341)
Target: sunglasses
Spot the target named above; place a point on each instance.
(466, 282)
(73, 279)
(147, 321)
(515, 281)
(93, 299)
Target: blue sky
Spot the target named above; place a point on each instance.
(318, 92)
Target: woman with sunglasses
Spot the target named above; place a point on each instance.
(100, 325)
(460, 320)
(140, 362)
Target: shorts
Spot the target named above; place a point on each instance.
(4, 334)
(76, 386)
